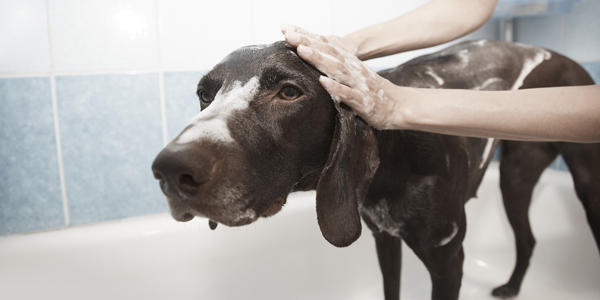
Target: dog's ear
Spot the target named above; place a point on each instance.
(350, 168)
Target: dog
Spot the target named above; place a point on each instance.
(267, 128)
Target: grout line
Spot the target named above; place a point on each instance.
(103, 72)
(61, 171)
(163, 111)
(161, 80)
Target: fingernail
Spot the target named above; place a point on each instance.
(292, 37)
(325, 81)
(286, 27)
(304, 51)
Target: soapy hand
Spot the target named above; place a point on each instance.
(348, 79)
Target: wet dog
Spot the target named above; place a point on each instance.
(267, 128)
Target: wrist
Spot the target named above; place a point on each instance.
(355, 40)
(404, 107)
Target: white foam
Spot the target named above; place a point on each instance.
(529, 65)
(211, 123)
(380, 215)
(486, 152)
(487, 83)
(435, 76)
(330, 57)
(448, 239)
(463, 55)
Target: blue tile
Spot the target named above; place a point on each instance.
(497, 153)
(545, 32)
(181, 101)
(562, 165)
(559, 164)
(594, 69)
(555, 164)
(488, 31)
(582, 38)
(110, 132)
(30, 195)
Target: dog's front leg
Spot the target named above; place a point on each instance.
(389, 253)
(443, 258)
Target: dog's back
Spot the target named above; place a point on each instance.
(486, 65)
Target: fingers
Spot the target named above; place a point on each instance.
(348, 79)
(286, 27)
(345, 94)
(296, 39)
(327, 64)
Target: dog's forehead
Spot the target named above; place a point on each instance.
(238, 79)
(252, 61)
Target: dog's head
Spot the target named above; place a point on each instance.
(267, 128)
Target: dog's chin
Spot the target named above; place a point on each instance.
(274, 208)
(183, 213)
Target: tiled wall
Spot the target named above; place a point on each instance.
(90, 91)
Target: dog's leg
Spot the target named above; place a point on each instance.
(521, 166)
(444, 261)
(389, 253)
(583, 161)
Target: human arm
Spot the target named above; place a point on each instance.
(433, 23)
(544, 114)
(570, 114)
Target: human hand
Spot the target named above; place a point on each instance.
(348, 79)
(337, 41)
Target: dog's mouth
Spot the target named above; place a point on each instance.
(183, 213)
(274, 208)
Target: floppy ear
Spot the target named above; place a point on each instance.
(349, 170)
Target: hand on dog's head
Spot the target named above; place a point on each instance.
(267, 128)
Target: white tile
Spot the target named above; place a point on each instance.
(24, 37)
(489, 31)
(313, 15)
(351, 15)
(103, 35)
(355, 14)
(198, 34)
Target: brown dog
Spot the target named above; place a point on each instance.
(267, 128)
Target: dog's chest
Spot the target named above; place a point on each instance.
(379, 214)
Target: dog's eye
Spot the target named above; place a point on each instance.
(205, 96)
(289, 93)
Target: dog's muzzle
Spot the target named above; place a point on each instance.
(182, 170)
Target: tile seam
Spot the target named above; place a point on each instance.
(61, 171)
(161, 81)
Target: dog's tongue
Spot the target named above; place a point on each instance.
(212, 224)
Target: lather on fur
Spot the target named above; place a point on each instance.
(267, 128)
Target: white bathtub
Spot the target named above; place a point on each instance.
(285, 257)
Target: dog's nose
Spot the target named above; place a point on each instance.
(181, 170)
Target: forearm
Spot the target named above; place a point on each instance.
(569, 114)
(434, 23)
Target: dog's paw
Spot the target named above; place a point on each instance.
(505, 292)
